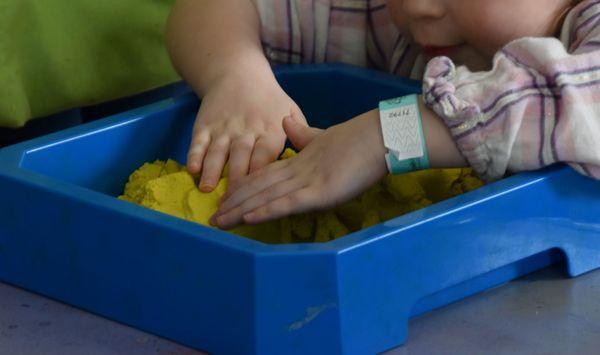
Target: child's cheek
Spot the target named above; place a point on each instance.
(480, 33)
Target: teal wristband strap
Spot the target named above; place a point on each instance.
(396, 166)
(403, 135)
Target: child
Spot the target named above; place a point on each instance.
(510, 85)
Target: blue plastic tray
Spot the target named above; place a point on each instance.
(64, 235)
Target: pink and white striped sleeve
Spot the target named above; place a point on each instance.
(357, 32)
(539, 104)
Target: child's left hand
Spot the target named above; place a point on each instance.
(337, 165)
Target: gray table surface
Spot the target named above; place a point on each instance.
(542, 313)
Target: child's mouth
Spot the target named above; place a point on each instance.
(436, 51)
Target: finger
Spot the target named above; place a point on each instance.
(213, 163)
(298, 115)
(299, 133)
(239, 157)
(245, 180)
(265, 151)
(299, 201)
(234, 216)
(196, 153)
(254, 184)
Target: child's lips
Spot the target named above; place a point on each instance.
(437, 51)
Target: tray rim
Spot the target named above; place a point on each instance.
(12, 158)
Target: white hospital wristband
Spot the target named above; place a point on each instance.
(403, 137)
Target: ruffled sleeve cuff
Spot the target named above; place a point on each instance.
(460, 115)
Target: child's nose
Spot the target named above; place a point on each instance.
(429, 9)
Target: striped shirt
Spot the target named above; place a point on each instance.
(538, 105)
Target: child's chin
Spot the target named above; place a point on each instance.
(471, 59)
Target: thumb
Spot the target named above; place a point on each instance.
(299, 133)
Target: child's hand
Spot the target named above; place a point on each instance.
(239, 121)
(337, 165)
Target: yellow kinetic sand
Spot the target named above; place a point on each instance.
(167, 187)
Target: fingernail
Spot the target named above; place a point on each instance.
(220, 221)
(192, 167)
(248, 217)
(206, 187)
(214, 220)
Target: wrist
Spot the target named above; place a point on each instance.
(237, 70)
(373, 140)
(403, 137)
(441, 147)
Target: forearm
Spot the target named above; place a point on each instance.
(209, 39)
(441, 148)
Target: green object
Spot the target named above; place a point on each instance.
(60, 54)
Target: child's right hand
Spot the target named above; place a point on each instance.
(239, 121)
